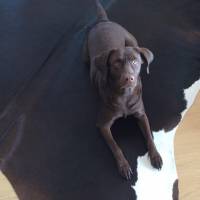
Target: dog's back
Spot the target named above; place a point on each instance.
(105, 35)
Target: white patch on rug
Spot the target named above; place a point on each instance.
(153, 184)
(190, 95)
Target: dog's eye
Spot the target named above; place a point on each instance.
(134, 62)
(117, 63)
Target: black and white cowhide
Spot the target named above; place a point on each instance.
(50, 148)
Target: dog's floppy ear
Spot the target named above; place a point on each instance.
(146, 55)
(102, 63)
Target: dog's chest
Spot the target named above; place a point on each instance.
(128, 105)
(124, 108)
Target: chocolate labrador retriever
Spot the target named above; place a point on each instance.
(115, 62)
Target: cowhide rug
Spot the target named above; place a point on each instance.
(50, 148)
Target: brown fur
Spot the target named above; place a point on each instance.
(115, 62)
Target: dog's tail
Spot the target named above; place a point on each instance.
(101, 13)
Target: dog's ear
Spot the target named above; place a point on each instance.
(146, 55)
(102, 63)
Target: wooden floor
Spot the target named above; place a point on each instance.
(187, 150)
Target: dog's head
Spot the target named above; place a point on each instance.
(121, 67)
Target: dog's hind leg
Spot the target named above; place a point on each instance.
(130, 40)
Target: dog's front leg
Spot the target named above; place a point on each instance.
(155, 157)
(105, 122)
(123, 165)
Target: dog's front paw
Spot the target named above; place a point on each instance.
(155, 158)
(124, 169)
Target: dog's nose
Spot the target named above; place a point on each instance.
(129, 79)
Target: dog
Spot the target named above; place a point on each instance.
(115, 61)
